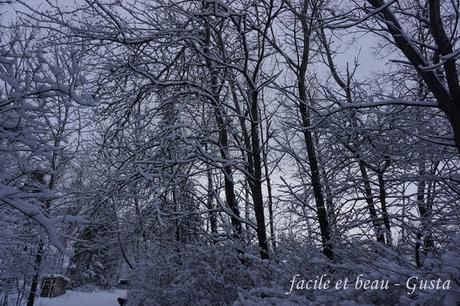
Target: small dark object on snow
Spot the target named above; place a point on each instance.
(122, 301)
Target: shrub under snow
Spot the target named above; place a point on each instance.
(217, 275)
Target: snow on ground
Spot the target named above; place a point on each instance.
(75, 298)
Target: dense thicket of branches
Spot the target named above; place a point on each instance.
(176, 138)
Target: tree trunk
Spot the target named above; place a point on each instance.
(331, 216)
(270, 214)
(223, 142)
(36, 276)
(255, 181)
(370, 204)
(209, 202)
(269, 187)
(315, 175)
(448, 97)
(424, 210)
(383, 203)
(309, 143)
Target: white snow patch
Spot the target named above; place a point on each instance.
(76, 298)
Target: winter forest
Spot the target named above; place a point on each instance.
(230, 152)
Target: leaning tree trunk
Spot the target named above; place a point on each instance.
(252, 153)
(314, 171)
(370, 204)
(223, 142)
(308, 138)
(346, 87)
(255, 180)
(448, 97)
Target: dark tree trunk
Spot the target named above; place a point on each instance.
(36, 276)
(40, 178)
(210, 204)
(255, 181)
(270, 213)
(422, 211)
(329, 200)
(383, 203)
(447, 98)
(231, 202)
(370, 204)
(223, 142)
(269, 185)
(309, 142)
(425, 215)
(315, 175)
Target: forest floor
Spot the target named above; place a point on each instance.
(75, 298)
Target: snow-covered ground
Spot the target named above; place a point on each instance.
(75, 298)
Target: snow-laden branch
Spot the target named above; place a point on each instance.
(16, 199)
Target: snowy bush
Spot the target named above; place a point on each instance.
(215, 275)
